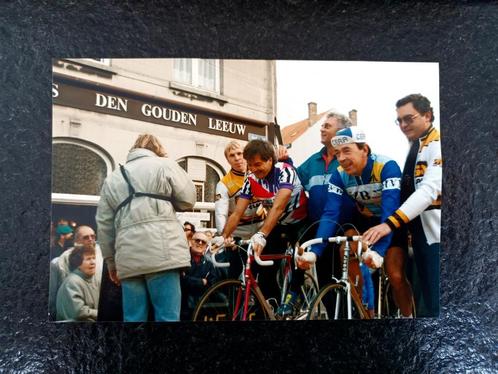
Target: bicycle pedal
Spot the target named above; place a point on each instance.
(274, 301)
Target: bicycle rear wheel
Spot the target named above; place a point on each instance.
(389, 308)
(224, 301)
(331, 303)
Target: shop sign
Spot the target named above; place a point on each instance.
(110, 100)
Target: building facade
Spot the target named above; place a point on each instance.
(194, 106)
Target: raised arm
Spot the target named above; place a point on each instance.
(234, 218)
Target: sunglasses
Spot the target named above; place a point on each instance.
(408, 119)
(200, 241)
(186, 229)
(87, 237)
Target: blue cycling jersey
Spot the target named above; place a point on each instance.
(314, 174)
(376, 193)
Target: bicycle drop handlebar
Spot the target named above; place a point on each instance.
(333, 239)
(258, 260)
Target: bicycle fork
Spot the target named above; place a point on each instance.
(345, 279)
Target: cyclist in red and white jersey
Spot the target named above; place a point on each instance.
(277, 188)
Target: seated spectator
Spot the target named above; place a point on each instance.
(59, 266)
(78, 296)
(63, 236)
(201, 275)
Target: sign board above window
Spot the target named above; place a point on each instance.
(123, 103)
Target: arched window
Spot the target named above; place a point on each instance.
(205, 174)
(78, 168)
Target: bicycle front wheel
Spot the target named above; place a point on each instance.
(224, 301)
(309, 291)
(331, 303)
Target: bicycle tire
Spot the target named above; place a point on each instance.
(309, 291)
(328, 296)
(389, 307)
(219, 303)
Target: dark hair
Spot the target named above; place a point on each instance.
(77, 255)
(363, 145)
(262, 148)
(190, 224)
(419, 102)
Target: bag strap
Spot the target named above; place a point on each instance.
(133, 193)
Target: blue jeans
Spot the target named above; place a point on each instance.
(161, 289)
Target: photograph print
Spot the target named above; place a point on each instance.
(240, 190)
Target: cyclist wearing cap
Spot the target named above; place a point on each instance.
(373, 183)
(420, 211)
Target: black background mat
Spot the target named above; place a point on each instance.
(460, 36)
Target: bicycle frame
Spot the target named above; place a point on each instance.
(249, 282)
(345, 279)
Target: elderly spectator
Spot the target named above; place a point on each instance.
(59, 266)
(78, 296)
(199, 277)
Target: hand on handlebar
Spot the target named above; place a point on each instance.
(258, 242)
(306, 260)
(372, 259)
(220, 241)
(375, 233)
(217, 241)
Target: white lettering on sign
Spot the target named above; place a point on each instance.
(169, 114)
(55, 90)
(226, 126)
(111, 102)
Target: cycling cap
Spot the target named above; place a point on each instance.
(347, 136)
(63, 229)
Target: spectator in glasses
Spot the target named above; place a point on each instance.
(201, 275)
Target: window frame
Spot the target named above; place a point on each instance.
(195, 77)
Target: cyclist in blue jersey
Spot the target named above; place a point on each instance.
(373, 183)
(314, 174)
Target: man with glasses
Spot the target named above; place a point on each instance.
(201, 275)
(420, 211)
(84, 237)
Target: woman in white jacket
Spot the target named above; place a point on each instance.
(141, 239)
